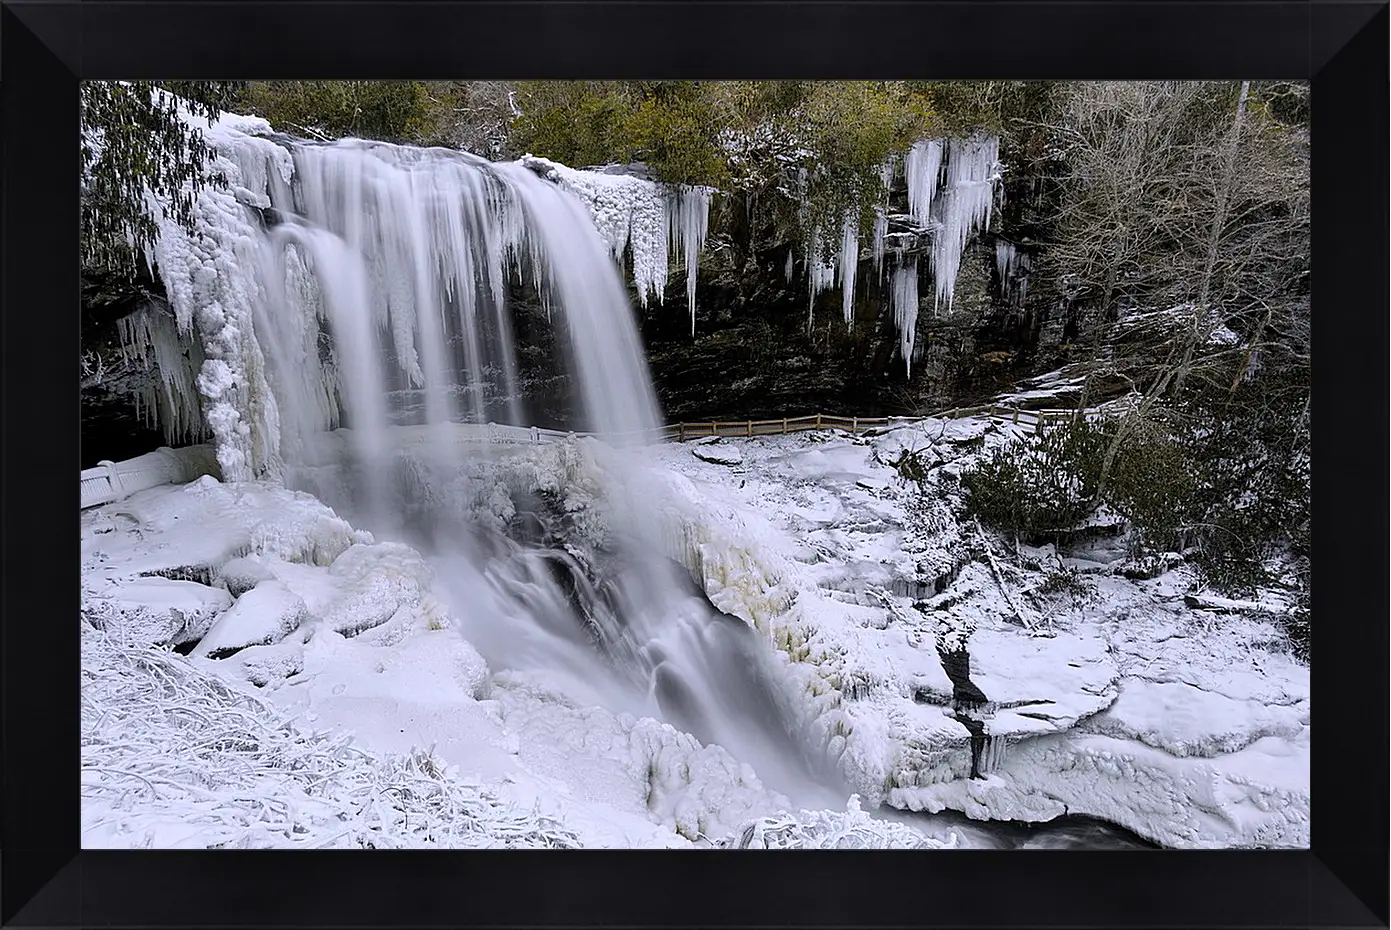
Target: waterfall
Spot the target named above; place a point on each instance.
(324, 281)
(326, 278)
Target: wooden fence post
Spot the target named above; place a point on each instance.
(854, 425)
(748, 428)
(1016, 414)
(784, 426)
(818, 421)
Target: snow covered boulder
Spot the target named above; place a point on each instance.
(718, 454)
(266, 614)
(242, 574)
(154, 610)
(376, 581)
(266, 666)
(151, 610)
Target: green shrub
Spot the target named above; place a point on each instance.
(1152, 485)
(1040, 483)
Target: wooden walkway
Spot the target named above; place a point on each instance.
(112, 481)
(1039, 420)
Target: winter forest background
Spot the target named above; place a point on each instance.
(1136, 253)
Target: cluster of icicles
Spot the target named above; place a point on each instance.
(649, 220)
(951, 192)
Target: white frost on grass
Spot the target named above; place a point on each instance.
(175, 757)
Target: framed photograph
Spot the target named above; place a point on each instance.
(591, 451)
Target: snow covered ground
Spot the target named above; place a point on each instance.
(1188, 727)
(354, 714)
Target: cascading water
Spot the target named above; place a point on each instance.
(370, 283)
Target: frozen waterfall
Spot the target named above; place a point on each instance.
(326, 278)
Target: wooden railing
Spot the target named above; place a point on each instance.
(112, 481)
(1040, 420)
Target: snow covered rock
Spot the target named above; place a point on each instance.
(154, 610)
(374, 582)
(1184, 720)
(266, 614)
(718, 454)
(244, 573)
(269, 665)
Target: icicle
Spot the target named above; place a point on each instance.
(150, 339)
(849, 263)
(820, 276)
(963, 207)
(788, 270)
(691, 206)
(904, 297)
(1004, 261)
(921, 168)
(881, 229)
(1013, 268)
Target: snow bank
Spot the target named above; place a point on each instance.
(174, 757)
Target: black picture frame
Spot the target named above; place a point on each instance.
(46, 47)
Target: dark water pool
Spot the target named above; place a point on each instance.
(1072, 831)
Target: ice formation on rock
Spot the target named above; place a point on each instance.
(951, 189)
(963, 206)
(881, 228)
(1013, 268)
(647, 218)
(150, 339)
(904, 295)
(881, 216)
(922, 169)
(820, 275)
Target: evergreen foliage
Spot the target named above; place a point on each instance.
(133, 141)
